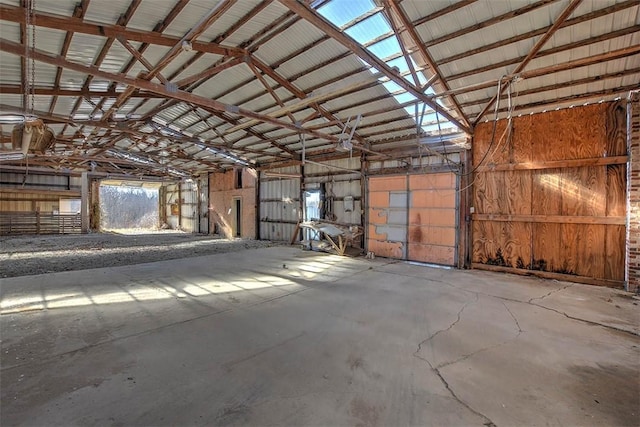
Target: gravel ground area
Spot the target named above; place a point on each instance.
(27, 255)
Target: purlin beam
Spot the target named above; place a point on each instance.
(205, 22)
(532, 53)
(306, 12)
(206, 103)
(78, 12)
(397, 11)
(66, 23)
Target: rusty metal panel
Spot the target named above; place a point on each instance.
(279, 205)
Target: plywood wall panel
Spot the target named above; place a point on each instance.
(503, 192)
(482, 146)
(589, 248)
(615, 252)
(521, 143)
(616, 203)
(577, 133)
(584, 245)
(502, 243)
(616, 140)
(584, 191)
(546, 192)
(547, 251)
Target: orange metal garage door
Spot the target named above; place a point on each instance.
(422, 228)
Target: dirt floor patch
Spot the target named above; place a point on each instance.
(28, 255)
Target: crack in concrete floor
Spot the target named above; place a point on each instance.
(436, 369)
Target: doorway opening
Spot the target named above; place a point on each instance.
(129, 207)
(237, 207)
(312, 210)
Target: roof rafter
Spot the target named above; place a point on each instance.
(206, 103)
(66, 23)
(310, 15)
(532, 53)
(396, 11)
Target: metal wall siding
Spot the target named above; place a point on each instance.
(279, 205)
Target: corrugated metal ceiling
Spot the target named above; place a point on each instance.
(474, 45)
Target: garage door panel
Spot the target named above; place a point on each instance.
(439, 217)
(444, 236)
(373, 233)
(433, 253)
(378, 216)
(431, 181)
(387, 249)
(433, 198)
(379, 199)
(428, 224)
(388, 183)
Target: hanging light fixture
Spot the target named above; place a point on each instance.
(29, 132)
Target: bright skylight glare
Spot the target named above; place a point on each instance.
(365, 31)
(341, 12)
(386, 48)
(369, 29)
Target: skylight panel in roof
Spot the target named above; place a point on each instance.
(386, 48)
(341, 12)
(366, 23)
(369, 29)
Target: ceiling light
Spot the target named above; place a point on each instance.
(16, 118)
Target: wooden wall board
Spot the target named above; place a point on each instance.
(575, 133)
(503, 192)
(558, 219)
(584, 191)
(558, 203)
(521, 144)
(597, 161)
(584, 247)
(546, 194)
(554, 276)
(502, 243)
(547, 251)
(616, 190)
(616, 122)
(614, 252)
(482, 143)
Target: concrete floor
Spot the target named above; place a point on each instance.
(279, 336)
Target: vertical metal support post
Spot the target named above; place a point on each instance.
(364, 199)
(258, 207)
(180, 205)
(84, 202)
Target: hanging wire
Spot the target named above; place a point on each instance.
(32, 57)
